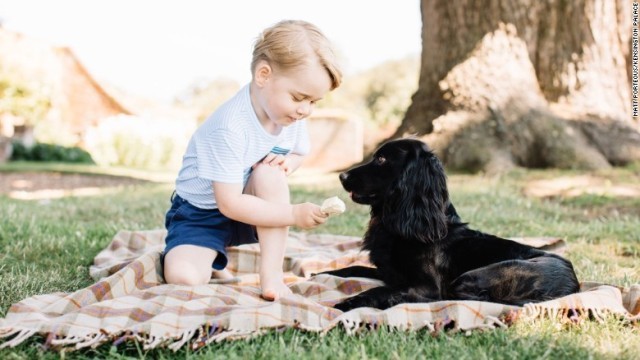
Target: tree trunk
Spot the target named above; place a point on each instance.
(526, 83)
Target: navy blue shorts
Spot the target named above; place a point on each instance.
(189, 225)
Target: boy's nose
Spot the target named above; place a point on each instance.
(304, 110)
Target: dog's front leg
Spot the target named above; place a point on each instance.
(375, 298)
(354, 271)
(384, 297)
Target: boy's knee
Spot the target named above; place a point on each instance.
(185, 273)
(267, 173)
(268, 182)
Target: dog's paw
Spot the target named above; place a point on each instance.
(344, 306)
(330, 272)
(342, 273)
(352, 303)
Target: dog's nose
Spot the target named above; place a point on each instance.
(343, 176)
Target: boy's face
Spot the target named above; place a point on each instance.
(287, 96)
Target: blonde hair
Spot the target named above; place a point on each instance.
(288, 45)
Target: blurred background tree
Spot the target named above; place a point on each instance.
(25, 102)
(379, 95)
(526, 83)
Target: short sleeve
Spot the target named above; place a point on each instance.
(220, 156)
(302, 145)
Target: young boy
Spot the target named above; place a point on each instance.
(233, 182)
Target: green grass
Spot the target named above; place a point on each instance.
(161, 175)
(48, 247)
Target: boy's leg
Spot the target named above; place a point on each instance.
(270, 184)
(188, 265)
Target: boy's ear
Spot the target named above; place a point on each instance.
(263, 72)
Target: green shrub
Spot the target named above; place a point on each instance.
(49, 153)
(19, 152)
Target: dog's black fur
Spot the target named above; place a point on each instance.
(423, 252)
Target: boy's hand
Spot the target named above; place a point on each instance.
(308, 215)
(277, 160)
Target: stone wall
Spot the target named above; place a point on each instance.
(336, 140)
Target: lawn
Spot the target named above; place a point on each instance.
(48, 245)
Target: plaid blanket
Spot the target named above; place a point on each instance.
(131, 301)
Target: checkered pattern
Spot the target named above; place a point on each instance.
(131, 301)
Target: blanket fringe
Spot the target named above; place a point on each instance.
(351, 326)
(576, 315)
(151, 342)
(208, 333)
(62, 341)
(430, 326)
(200, 337)
(491, 322)
(22, 335)
(186, 336)
(92, 342)
(68, 340)
(232, 334)
(8, 332)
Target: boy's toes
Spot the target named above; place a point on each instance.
(275, 294)
(269, 295)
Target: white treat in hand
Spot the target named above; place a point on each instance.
(333, 206)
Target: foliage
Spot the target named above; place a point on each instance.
(49, 152)
(139, 142)
(381, 94)
(25, 100)
(48, 246)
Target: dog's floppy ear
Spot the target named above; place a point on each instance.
(416, 204)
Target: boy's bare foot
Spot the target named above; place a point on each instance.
(275, 290)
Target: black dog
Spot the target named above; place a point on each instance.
(424, 253)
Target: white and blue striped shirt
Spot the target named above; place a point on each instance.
(227, 144)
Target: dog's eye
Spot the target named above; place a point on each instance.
(380, 160)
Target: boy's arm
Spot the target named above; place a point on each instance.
(253, 210)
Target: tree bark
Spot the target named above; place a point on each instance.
(525, 83)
